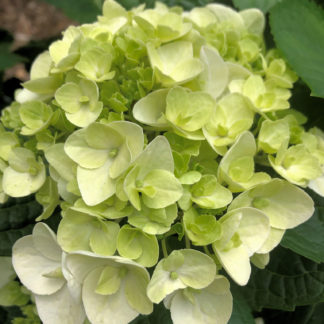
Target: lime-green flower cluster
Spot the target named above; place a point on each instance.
(150, 127)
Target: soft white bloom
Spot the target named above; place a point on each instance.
(37, 260)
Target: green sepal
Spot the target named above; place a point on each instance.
(24, 175)
(174, 62)
(81, 231)
(133, 243)
(208, 193)
(35, 115)
(48, 197)
(237, 166)
(201, 229)
(181, 269)
(153, 221)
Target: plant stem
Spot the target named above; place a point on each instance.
(164, 248)
(207, 251)
(187, 242)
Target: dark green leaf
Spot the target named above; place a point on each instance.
(7, 314)
(5, 36)
(128, 4)
(86, 11)
(8, 238)
(313, 314)
(263, 5)
(317, 316)
(8, 59)
(288, 281)
(29, 316)
(311, 107)
(242, 313)
(186, 4)
(16, 220)
(83, 11)
(182, 145)
(17, 213)
(54, 221)
(308, 238)
(298, 30)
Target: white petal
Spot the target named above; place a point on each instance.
(286, 205)
(77, 266)
(24, 95)
(225, 13)
(215, 74)
(212, 305)
(157, 155)
(73, 284)
(317, 185)
(59, 308)
(110, 309)
(149, 110)
(272, 241)
(85, 116)
(95, 185)
(236, 262)
(254, 229)
(134, 136)
(237, 71)
(20, 184)
(45, 242)
(162, 285)
(254, 20)
(30, 266)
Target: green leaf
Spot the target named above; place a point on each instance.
(12, 295)
(8, 59)
(8, 238)
(16, 217)
(186, 4)
(301, 42)
(288, 281)
(83, 11)
(30, 316)
(242, 313)
(310, 106)
(183, 145)
(317, 316)
(7, 314)
(313, 314)
(16, 213)
(263, 5)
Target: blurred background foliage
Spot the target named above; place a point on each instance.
(291, 289)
